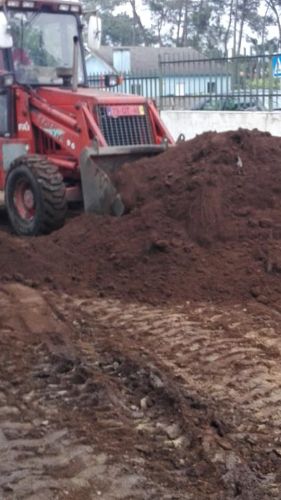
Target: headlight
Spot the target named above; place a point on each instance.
(27, 4)
(13, 3)
(64, 7)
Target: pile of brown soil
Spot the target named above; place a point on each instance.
(203, 222)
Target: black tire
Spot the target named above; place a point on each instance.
(35, 196)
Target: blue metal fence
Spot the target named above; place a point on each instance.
(229, 83)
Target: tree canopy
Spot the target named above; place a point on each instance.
(214, 27)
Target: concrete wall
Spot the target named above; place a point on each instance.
(192, 123)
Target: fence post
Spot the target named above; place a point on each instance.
(161, 85)
(270, 75)
(235, 62)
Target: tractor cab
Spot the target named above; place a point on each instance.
(36, 49)
(42, 35)
(43, 44)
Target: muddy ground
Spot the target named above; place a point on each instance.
(151, 371)
(101, 399)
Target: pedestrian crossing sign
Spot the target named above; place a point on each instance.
(276, 65)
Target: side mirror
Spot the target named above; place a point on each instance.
(94, 32)
(6, 41)
(6, 80)
(112, 80)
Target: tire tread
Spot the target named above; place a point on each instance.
(52, 188)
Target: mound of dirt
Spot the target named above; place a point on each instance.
(203, 222)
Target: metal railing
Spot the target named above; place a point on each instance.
(228, 83)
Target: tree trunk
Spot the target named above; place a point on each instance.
(179, 26)
(235, 28)
(137, 20)
(242, 23)
(227, 33)
(185, 22)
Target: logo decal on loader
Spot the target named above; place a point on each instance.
(54, 132)
(24, 127)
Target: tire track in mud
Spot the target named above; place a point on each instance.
(241, 369)
(43, 452)
(60, 375)
(40, 458)
(229, 357)
(56, 464)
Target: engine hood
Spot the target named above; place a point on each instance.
(66, 98)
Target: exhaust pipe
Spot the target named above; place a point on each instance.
(75, 63)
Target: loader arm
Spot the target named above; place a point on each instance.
(62, 130)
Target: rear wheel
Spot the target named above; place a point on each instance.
(35, 196)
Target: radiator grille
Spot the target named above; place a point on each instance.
(130, 130)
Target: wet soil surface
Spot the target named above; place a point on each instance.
(101, 399)
(140, 357)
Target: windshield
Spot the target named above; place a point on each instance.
(42, 45)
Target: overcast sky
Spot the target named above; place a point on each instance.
(144, 12)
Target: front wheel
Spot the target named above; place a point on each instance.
(35, 196)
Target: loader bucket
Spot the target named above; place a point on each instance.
(96, 168)
(99, 194)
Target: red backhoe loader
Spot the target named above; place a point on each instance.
(59, 139)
